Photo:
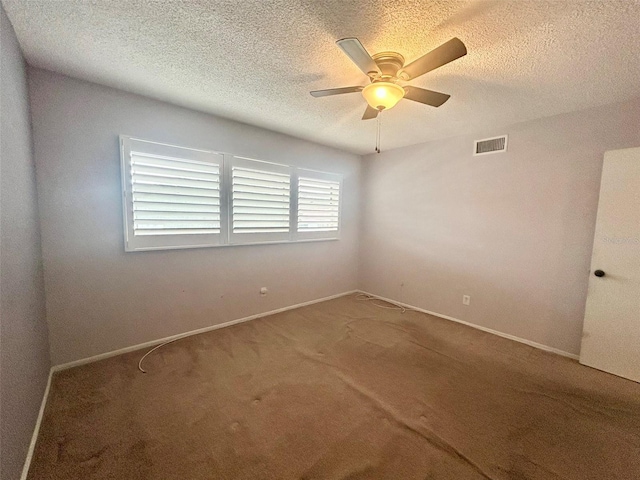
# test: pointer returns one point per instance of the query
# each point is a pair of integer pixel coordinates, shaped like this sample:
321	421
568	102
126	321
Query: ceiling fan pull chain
378	132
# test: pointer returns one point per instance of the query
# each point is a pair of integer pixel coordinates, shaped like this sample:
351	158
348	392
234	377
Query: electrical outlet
466	299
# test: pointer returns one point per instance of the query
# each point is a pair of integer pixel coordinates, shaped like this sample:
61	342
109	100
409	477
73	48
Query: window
177	197
172	196
318	205
260	201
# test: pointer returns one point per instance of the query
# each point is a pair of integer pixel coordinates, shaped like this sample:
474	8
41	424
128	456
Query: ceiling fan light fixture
383	95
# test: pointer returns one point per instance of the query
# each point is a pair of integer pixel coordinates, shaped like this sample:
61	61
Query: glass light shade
383	95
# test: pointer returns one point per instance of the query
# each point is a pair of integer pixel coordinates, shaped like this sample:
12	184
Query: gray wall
100	298
24	357
512	230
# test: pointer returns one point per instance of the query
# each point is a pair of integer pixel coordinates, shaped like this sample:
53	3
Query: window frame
322	176
267	167
226	237
135	243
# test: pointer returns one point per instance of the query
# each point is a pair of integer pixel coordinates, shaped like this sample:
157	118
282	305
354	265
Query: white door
611	332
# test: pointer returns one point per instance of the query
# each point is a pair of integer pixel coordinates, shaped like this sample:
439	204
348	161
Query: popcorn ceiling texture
255	61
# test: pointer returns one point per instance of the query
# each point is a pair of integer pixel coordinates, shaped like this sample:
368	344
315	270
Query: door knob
599	273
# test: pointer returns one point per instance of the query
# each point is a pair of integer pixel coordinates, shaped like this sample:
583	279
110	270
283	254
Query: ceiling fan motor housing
389	64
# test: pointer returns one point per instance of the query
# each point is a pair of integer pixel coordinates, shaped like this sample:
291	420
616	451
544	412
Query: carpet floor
340	390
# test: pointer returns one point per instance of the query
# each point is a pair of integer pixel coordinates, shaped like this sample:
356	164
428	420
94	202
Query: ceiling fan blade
358	55
370	113
428	97
445	53
335	91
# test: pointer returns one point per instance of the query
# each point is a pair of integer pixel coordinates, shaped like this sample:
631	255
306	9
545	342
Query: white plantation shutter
260	201
173	196
318	214
176	197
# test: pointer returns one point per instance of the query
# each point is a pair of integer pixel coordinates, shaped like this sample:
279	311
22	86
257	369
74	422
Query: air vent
490	145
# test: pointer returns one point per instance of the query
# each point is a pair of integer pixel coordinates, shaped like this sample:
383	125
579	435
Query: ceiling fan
386	69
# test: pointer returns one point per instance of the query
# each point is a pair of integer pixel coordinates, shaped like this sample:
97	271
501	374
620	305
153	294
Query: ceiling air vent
490	145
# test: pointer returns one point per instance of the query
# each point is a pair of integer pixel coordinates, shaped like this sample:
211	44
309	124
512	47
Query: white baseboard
153	343
36	430
478	327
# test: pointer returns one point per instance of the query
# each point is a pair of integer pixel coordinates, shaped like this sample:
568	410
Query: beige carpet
340	390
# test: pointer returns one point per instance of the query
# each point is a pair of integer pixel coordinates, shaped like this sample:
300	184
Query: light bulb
383	95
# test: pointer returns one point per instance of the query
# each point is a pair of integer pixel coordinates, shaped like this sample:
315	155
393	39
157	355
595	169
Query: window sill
225	245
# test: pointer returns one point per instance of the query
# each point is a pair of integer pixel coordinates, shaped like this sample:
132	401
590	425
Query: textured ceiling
256	60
